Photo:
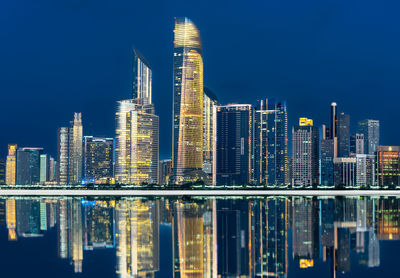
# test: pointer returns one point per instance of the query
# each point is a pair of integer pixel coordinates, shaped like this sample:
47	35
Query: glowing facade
11	165
388	166
62	155
142	78
76	150
209	101
187	150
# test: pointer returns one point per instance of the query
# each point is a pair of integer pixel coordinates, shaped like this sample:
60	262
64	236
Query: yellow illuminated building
11	219
11	164
187	151
76	151
305	122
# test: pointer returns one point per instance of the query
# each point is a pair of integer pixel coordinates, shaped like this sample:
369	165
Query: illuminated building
136	134
234	144
370	129
270	139
302	229
345	171
388	166
2	171
11	165
28	166
164	171
187	133
76	235
75	150
98	158
209	101
343	135
137	238
142	78
136	143
388	219
62	155
11	219
52	169
305	150
357	144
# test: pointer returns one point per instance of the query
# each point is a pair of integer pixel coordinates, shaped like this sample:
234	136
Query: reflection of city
211	237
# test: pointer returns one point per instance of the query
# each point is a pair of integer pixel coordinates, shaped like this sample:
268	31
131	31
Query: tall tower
11	164
370	129
209	101
75	150
62	155
142	78
333	120
187	150
343	135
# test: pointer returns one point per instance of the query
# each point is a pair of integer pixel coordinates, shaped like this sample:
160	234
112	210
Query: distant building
98	158
345	171
357	144
63	155
75	150
343	135
44	168
270	139
11	164
165	171
333	128
233	148
371	130
328	153
305	139
209	101
388	166
28	166
2	171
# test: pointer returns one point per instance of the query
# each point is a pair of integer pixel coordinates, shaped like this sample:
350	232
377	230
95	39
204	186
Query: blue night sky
58	57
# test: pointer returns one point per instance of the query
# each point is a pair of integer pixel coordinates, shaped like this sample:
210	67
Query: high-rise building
388	166
209	101
142	78
187	132
52	169
11	164
357	143
328	153
28	166
270	139
233	146
343	135
365	169
345	171
44	168
165	171
2	171
333	128
370	129
98	158
305	149
63	155
75	150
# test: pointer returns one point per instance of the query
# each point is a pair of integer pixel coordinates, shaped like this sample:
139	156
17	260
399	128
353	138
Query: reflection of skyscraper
63	228
137	238
76	235
387	219
11	219
187	150
75	150
302	230
28	218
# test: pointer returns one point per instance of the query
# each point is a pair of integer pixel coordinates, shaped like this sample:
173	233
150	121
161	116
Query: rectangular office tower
98	158
305	139
270	140
187	131
370	129
209	101
345	171
28	166
328	153
233	146
75	150
388	166
343	135
357	144
11	164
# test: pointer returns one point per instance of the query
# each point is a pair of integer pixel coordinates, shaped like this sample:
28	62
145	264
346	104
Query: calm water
199	237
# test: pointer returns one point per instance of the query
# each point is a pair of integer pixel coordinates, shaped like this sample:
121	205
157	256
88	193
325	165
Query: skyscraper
98	158
164	171
370	129
328	153
270	153
343	135
44	168
233	146
388	166
209	101
332	130
75	150
305	149
136	135
345	171
28	166
357	143
11	164
2	171
62	155
187	150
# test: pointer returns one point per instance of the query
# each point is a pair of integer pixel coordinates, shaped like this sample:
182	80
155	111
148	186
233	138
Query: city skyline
301	97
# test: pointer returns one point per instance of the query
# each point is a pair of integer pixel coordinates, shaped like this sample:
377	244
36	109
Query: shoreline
238	193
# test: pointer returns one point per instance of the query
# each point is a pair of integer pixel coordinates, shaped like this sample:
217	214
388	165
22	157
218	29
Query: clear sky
65	56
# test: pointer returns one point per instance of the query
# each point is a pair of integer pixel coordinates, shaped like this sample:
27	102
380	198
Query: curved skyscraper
187	150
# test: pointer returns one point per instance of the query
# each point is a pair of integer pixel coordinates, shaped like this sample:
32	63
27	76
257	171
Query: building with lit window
345	171
305	139
142	78
270	139
98	158
2	171
11	164
44	168
28	166
388	166
371	131
164	171
187	132
209	101
75	150
233	146
357	144
63	155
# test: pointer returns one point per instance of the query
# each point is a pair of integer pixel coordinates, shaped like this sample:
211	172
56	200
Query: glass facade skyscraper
28	166
343	135
370	129
187	150
142	78
270	139
75	150
98	158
